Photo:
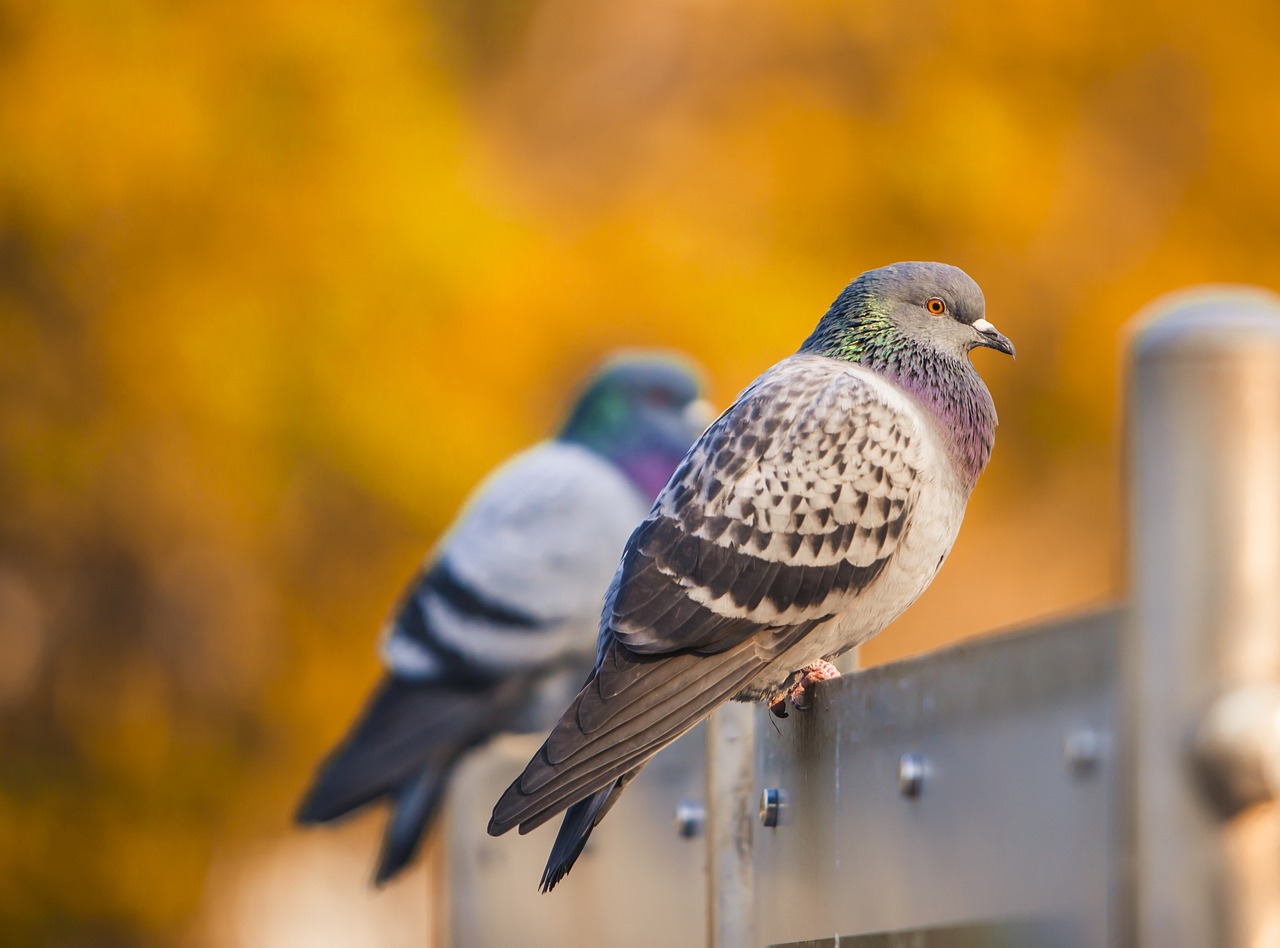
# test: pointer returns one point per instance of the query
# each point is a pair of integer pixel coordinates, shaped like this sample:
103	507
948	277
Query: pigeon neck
950	388
646	465
648	471
946	385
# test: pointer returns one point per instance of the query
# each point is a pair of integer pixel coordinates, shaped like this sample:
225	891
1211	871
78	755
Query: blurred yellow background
280	281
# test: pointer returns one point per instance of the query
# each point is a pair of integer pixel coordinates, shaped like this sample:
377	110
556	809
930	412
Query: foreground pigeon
499	629
809	516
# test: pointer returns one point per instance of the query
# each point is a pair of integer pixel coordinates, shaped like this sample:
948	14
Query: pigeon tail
414	808
579	820
405	746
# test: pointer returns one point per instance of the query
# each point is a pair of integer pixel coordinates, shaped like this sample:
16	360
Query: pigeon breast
824	485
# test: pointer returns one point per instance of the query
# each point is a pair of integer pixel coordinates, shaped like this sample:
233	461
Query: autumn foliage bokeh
279	281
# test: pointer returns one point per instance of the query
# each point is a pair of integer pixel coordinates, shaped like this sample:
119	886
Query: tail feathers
414	807
410	732
585	763
579	820
608	732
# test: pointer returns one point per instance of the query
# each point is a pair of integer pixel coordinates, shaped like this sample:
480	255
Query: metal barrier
1107	780
965	797
640	882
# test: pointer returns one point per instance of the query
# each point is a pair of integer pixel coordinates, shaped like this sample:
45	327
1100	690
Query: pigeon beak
698	415
990	337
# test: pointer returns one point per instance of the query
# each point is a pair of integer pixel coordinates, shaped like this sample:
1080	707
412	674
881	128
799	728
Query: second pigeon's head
933	304
641	411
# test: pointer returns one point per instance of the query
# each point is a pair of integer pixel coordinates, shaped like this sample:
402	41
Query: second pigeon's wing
517	582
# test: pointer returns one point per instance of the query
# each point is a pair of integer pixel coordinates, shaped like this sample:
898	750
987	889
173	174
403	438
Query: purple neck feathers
951	390
649	471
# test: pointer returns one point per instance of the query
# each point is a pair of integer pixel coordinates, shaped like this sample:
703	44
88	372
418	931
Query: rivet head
690	819
772	802
911	774
1082	749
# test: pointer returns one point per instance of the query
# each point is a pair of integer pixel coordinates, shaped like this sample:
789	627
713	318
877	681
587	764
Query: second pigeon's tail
404	747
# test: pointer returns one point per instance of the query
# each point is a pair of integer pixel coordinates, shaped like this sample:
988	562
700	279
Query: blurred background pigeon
807	518
499	628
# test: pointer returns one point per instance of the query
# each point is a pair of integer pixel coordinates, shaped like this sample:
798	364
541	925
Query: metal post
1202	654
731	814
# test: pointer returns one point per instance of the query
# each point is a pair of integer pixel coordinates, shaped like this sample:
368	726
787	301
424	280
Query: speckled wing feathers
787	508
797	494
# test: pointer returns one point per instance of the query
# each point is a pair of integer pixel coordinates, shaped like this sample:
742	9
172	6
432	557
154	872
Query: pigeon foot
798	693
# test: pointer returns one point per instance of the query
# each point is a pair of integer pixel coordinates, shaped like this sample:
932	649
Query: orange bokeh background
280	281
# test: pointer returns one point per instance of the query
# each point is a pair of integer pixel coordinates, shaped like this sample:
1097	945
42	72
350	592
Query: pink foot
798	693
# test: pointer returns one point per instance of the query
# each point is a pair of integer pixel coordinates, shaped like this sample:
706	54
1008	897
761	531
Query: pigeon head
915	324
641	411
906	306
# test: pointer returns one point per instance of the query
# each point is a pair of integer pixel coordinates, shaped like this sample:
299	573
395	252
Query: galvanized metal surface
1203	664
639	882
990	935
1010	828
732	822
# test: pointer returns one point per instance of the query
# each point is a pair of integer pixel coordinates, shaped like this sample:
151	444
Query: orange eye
936	306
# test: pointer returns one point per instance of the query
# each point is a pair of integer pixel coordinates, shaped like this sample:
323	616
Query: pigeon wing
516	584
788	507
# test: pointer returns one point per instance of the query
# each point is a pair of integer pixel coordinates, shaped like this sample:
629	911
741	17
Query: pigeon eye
936	306
659	398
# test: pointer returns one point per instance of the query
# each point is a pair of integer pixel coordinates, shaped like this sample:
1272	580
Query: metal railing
1107	780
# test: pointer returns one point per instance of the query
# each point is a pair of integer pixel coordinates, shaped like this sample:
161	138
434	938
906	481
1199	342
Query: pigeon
498	630
815	510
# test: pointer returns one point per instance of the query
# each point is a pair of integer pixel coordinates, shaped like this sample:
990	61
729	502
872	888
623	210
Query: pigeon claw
811	675
778	704
798	694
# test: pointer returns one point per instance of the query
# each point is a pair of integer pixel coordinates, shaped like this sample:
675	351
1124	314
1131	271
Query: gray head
906	305
641	411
